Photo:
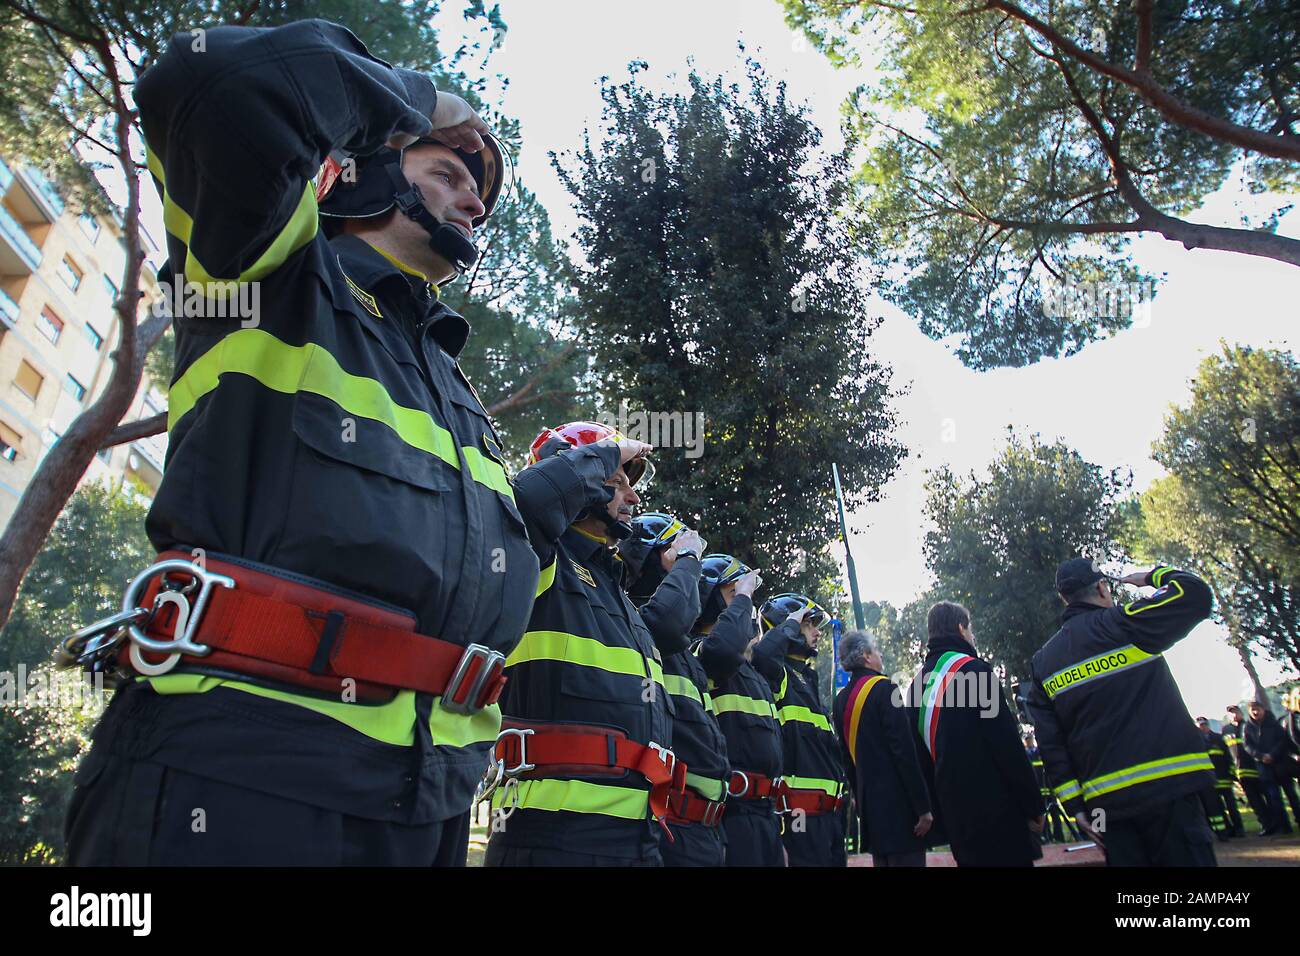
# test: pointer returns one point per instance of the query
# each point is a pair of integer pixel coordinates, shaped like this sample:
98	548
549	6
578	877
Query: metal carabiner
94	642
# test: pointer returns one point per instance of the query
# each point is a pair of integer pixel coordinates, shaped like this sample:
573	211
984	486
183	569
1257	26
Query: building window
74	388
69	273
90	226
51	325
28	380
50	437
9	442
94	338
110	287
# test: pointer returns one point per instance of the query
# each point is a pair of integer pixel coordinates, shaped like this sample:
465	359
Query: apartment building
59	270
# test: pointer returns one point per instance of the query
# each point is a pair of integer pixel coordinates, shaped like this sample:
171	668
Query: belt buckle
188	615
478	664
497	771
665	754
781	792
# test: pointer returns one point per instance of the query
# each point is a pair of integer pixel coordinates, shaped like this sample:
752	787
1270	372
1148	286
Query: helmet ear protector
363	187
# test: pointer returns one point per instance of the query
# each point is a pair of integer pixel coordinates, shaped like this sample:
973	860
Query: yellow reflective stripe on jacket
576	796
683	687
1129	608
793	712
390	723
585	652
706	787
785	683
296	233
311	368
545	579
1068	790
813	783
1159	574
1101	665
1145	773
739	703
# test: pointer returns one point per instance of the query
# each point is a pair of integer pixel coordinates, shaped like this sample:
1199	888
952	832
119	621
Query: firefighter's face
625	497
811	632
449	191
728	592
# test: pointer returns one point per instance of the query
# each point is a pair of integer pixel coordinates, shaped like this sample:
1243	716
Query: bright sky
1107	402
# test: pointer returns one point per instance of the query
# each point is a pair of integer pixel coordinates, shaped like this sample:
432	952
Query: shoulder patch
583	573
365	298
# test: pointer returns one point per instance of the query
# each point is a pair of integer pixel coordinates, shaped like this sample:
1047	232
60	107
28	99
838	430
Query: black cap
1076	574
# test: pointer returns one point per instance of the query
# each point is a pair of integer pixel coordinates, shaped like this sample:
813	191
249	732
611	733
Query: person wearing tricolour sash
988	799
880	759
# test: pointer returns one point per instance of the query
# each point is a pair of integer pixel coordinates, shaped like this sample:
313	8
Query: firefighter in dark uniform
1225	801
1265	741
1247	771
880	759
584	762
663	559
1121	751
725	635
989	807
812	792
321	664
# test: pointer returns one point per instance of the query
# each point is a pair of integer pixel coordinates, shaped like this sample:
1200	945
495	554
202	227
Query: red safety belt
284	630
690	807
534	750
812	802
745	785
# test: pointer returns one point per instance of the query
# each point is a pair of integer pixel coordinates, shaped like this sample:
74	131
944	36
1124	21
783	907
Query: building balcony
8	309
47	197
18	253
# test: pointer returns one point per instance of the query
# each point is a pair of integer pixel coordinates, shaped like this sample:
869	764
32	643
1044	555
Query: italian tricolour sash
853	711
932	695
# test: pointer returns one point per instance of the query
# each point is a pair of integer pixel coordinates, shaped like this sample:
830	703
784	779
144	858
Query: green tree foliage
997	540
95	548
900	633
41	741
720	279
1013	150
1231	503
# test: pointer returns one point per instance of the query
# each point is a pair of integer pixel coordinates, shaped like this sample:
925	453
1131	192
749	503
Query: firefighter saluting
742	701
812	785
318	671
663	560
583	766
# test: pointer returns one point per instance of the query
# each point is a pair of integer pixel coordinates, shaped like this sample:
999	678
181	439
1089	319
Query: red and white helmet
589	433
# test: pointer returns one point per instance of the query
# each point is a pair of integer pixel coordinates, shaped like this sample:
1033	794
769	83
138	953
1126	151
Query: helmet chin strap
444	238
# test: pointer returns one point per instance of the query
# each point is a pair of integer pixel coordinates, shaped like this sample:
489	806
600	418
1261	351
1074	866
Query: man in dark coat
1268	744
988	799
880	760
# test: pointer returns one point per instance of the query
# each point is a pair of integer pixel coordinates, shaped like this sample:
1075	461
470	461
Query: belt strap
534	750
811	802
690	807
747	785
285	630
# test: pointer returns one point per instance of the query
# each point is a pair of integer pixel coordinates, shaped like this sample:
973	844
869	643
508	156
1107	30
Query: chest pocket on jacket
602	671
367	443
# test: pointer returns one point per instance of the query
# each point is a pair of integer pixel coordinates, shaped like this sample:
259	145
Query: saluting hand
748	583
630	448
455	124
